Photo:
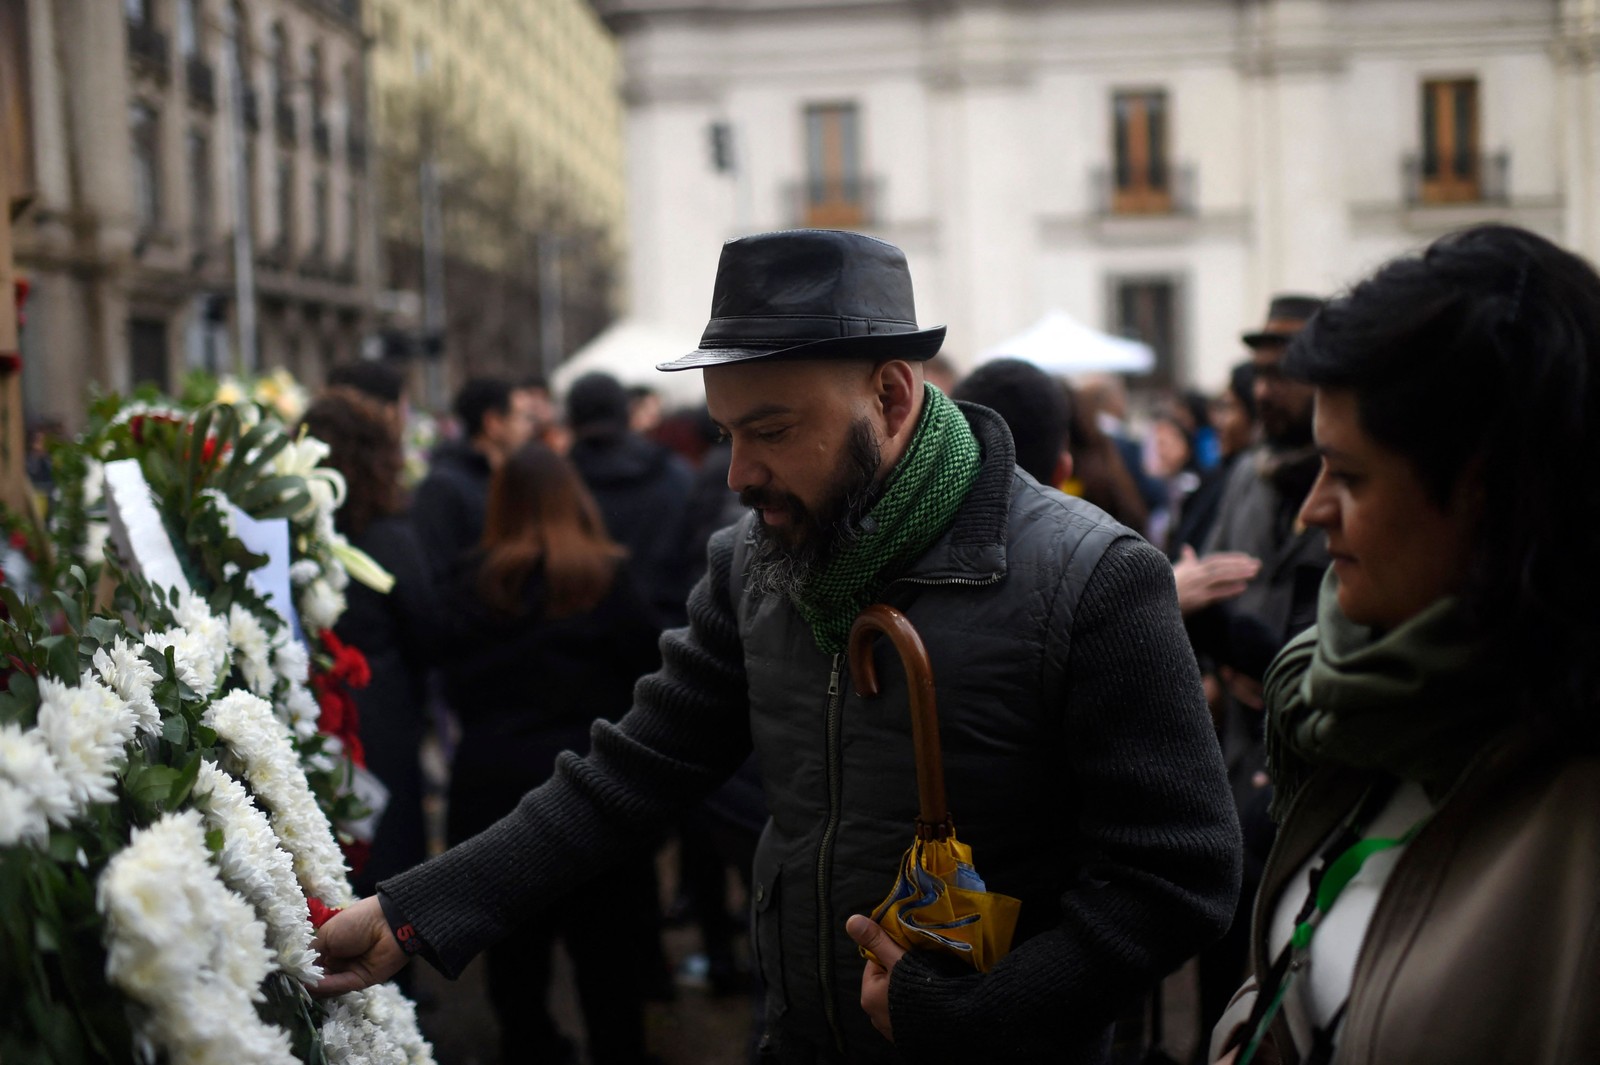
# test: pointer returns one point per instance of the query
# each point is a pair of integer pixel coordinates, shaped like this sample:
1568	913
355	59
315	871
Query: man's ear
1063	472
898	385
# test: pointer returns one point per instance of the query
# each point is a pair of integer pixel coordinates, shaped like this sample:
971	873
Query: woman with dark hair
390	630
1099	473
1434	741
549	633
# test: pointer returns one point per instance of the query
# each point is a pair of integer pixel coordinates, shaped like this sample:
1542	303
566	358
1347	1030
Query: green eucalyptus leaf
26	691
61	659
175	730
104	631
214	841
185	782
287	508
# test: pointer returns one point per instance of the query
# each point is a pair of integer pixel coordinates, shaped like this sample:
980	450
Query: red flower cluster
321	912
332	688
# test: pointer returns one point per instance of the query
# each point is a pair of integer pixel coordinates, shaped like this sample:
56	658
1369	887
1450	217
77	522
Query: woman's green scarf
918	504
1417	702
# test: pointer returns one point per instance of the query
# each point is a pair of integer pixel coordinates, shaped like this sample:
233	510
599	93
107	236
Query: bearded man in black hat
1078	752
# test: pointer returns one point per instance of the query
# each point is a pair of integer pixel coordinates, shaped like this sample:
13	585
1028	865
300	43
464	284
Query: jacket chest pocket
766	936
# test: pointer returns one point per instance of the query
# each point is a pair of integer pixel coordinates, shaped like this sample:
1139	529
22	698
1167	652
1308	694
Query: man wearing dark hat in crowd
1259	517
1259	513
1078	753
642	489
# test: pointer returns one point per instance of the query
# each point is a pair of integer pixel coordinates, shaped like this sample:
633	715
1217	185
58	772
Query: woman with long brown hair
552	631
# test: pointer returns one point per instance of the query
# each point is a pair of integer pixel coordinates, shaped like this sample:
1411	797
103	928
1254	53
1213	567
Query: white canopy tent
629	350
1060	344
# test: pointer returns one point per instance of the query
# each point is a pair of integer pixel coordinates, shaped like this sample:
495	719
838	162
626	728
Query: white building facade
1154	167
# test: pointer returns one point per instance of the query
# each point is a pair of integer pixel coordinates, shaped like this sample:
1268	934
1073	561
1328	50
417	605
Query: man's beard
787	557
1285	430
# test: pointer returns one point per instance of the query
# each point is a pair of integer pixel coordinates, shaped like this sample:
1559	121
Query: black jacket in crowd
643	492
450	503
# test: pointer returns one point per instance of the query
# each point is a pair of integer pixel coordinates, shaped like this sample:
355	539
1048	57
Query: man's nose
744	473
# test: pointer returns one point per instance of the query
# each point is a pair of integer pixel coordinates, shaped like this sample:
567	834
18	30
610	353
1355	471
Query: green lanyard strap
1336	876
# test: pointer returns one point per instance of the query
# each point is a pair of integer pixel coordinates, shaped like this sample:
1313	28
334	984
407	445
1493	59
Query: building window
285	204
199	151
147	352
144	128
352	225
834	194
1451	164
1146	308
319	208
1142	178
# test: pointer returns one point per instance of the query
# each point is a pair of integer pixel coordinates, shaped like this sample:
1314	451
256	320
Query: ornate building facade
202	192
1154	167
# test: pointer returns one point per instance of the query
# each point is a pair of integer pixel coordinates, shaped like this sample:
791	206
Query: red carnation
321	913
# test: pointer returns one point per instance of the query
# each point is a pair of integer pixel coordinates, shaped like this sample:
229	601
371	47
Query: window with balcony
144	128
1452	170
1146	308
835	193
1142	174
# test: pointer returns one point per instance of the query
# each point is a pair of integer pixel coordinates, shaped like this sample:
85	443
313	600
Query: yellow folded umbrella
938	901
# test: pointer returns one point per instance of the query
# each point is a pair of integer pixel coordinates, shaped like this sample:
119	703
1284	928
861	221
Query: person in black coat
390	630
642	489
548	631
496	418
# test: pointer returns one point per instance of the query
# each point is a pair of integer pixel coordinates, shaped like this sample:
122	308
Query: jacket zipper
934	581
825	857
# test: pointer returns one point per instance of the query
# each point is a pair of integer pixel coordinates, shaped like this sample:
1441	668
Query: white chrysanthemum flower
257	868
252	650
33	792
261	743
304	572
321	605
188	949
399	1019
126	672
86	729
290	659
301	713
191	654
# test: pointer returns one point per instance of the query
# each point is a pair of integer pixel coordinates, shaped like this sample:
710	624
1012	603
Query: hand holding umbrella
938	901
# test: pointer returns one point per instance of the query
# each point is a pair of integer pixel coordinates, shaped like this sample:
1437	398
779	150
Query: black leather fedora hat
811	294
1286	316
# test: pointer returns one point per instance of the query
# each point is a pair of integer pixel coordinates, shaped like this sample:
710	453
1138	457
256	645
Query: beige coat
1485	944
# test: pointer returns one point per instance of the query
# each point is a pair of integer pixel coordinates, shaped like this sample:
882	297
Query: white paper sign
271	581
136	527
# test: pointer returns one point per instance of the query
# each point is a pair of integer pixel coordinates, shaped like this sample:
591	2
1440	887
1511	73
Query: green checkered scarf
918	504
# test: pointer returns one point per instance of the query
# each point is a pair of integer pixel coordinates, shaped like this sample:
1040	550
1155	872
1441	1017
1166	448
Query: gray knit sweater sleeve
689	729
1155	819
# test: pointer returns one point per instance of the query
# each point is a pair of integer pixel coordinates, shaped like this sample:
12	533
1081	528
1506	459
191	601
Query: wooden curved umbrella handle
933	822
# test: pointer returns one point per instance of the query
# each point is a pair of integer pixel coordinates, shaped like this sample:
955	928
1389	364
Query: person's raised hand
875	979
1213	579
356	949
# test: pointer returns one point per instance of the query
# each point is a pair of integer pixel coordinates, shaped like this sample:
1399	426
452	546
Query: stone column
1292	65
1577	52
